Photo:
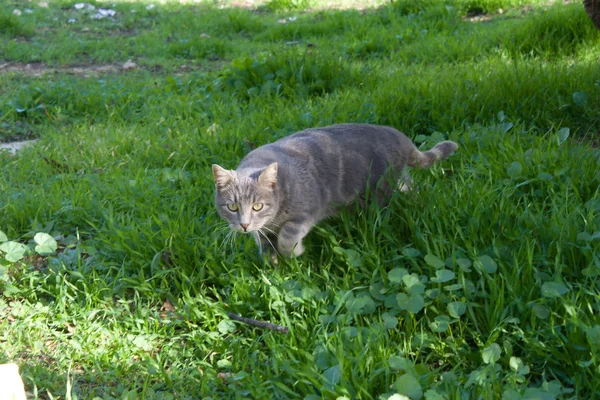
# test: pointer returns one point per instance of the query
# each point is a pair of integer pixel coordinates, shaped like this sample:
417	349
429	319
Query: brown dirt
39	69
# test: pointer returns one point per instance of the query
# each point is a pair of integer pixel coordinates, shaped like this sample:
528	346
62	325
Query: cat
281	190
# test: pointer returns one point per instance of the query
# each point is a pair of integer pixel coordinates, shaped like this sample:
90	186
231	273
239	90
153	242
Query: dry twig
258	324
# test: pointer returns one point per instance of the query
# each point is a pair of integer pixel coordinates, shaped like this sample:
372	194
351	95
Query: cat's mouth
242	229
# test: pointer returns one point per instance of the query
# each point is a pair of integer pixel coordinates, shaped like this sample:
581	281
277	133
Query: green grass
481	284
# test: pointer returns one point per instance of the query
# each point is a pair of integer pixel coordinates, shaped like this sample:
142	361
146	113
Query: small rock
286	20
129	65
71	21
28	11
103	13
204	35
150	6
17	12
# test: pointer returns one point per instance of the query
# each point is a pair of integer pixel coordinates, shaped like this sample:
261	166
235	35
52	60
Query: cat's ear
223	178
268	177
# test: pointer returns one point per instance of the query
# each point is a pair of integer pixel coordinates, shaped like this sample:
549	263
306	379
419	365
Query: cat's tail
440	151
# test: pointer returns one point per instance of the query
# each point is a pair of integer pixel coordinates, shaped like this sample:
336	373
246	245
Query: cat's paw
298	250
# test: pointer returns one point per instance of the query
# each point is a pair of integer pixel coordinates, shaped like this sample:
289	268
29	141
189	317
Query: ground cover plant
115	275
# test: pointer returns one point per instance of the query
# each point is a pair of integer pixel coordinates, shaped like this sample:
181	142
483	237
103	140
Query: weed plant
116	277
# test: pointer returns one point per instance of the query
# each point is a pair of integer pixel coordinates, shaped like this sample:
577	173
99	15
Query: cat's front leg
266	247
290	237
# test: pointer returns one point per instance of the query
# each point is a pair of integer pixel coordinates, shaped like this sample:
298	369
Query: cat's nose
244	226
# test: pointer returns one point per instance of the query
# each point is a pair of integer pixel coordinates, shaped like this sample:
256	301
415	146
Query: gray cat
281	190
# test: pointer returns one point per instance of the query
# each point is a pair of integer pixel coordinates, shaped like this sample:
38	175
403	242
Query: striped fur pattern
281	190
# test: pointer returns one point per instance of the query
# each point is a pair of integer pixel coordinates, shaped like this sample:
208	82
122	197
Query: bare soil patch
39	69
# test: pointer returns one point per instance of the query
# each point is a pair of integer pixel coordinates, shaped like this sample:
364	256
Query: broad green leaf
325	319
409	252
143	342
488	264
45	244
506	126
434	261
412	304
584	237
537	394
13	251
453	287
491	354
517	365
400	364
413	284
443	275
440	324
541	311
456	309
515	169
322	358
307	397
360	305
226	326
464	264
409	386
391	301
378	291
554	289
433	395
593	335
562	135
418	288
552	387
3	237
580	98
354	305
397	274
389	321
353	257
511	394
333	375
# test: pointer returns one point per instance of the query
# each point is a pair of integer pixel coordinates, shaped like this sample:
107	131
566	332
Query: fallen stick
258	324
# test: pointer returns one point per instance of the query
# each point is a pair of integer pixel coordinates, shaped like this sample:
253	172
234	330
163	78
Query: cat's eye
232	207
257	206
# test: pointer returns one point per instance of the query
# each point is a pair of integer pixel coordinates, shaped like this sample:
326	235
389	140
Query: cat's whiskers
229	239
268	240
271	231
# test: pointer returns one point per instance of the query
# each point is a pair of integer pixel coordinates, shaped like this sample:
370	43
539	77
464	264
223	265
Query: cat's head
246	202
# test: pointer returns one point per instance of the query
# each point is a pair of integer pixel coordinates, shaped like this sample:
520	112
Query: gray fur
302	179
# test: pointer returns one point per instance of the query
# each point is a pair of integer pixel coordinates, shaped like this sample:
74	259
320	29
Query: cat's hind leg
266	246
405	183
290	237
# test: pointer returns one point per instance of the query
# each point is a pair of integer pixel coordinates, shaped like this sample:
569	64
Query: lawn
116	278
